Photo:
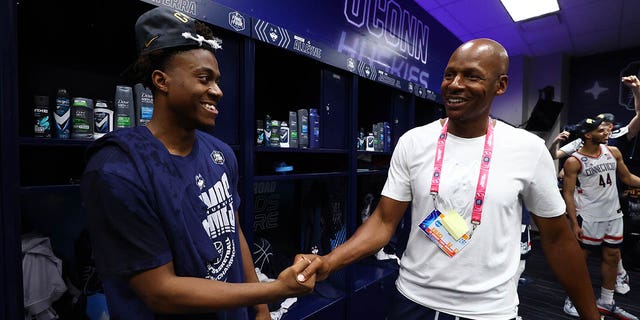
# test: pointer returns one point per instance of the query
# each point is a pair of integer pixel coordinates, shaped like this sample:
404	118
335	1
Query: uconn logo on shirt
220	225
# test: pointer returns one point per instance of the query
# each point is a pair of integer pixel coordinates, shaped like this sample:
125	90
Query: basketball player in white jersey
629	131
591	196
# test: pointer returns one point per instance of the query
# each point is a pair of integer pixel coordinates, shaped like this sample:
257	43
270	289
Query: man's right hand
631	81
289	278
319	267
562	136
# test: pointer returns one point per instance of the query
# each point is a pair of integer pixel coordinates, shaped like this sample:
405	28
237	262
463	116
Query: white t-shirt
597	197
576	144
477	282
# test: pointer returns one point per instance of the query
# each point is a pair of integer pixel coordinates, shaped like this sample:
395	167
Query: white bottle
369	142
284	135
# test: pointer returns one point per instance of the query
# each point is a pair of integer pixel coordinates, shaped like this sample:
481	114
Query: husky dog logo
367	70
200	181
217	157
236	21
273	35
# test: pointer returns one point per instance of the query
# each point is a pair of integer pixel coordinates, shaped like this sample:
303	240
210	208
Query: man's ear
159	80
503	83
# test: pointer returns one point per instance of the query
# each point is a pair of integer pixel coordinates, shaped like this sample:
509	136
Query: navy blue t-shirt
148	208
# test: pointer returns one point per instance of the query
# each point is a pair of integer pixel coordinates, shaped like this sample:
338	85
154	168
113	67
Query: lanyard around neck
481	187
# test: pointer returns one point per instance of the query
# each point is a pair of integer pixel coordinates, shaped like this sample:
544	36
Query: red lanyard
481	188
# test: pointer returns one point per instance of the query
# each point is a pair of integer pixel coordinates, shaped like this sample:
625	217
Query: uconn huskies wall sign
210	12
395	38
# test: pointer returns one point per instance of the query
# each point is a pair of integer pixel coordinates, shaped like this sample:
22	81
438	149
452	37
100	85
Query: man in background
591	194
627	133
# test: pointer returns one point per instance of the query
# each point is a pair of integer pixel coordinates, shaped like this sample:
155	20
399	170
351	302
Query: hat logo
236	21
181	16
148	43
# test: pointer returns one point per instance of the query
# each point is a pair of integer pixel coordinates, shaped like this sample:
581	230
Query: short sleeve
541	195
398	184
126	234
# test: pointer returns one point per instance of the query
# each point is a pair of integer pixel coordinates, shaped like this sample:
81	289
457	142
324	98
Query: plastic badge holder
456	226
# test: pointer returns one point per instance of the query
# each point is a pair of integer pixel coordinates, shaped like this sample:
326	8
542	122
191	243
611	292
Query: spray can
42	122
259	132
125	117
103	119
360	144
314	131
62	114
267	130
387	136
303	128
378	142
82	118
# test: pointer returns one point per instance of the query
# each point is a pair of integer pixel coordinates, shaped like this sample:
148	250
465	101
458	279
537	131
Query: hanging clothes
41	278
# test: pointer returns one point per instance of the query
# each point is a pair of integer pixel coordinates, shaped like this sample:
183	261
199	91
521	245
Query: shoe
614	311
622	283
569	308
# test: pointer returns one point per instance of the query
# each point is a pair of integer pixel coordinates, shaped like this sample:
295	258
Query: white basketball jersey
596	193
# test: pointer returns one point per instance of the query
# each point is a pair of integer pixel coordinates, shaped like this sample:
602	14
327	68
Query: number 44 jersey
596	193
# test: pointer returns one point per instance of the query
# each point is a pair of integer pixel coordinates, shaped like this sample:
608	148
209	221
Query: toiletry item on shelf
293	129
144	104
62	115
42	121
284	135
82	118
303	128
124	107
314	129
102	119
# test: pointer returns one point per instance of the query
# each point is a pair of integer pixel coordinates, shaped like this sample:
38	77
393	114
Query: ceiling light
526	9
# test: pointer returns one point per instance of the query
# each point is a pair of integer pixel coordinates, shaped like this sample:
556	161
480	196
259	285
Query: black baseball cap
162	27
606	117
589	124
